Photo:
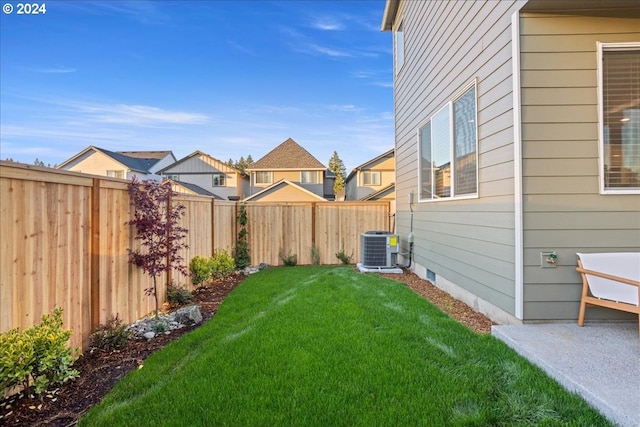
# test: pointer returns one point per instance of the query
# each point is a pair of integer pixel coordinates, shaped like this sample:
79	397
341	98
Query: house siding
199	170
562	208
97	163
467	242
293	176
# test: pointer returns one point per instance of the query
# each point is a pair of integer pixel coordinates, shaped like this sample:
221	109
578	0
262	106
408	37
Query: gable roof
282	183
377	195
389	153
288	155
146	154
196	189
199	153
137	163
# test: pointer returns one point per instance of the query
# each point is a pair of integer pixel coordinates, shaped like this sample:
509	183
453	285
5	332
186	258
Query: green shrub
38	356
111	335
289	260
178	295
160	325
200	270
241	253
221	265
343	257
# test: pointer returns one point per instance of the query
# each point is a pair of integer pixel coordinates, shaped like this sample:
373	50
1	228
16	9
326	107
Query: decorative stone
189	315
149	335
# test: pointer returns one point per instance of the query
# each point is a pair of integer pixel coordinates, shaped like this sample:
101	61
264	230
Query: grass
326	346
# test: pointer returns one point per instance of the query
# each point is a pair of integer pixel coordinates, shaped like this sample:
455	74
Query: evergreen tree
337	167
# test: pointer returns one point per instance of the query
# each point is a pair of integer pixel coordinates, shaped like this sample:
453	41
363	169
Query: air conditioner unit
378	249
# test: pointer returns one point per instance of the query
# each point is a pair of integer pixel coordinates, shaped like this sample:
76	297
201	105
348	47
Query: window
219	180
116	174
620	117
370	178
262	178
448	146
310	177
399	44
171	177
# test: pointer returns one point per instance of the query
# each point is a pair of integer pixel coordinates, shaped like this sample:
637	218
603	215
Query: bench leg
585	293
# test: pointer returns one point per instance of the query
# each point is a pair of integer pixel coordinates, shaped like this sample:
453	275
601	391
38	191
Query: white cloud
56	70
130	114
328	51
327	24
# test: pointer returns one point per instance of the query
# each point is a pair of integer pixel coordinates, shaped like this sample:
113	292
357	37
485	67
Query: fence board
64	239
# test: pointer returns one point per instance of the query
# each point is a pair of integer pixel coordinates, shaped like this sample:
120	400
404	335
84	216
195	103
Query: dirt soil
99	371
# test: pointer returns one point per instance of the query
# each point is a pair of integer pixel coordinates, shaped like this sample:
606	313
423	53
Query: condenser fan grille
378	249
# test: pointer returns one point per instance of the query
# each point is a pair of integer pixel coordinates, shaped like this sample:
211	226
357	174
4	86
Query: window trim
113	173
399	29
316	177
172	176
449	105
267	182
371	172
601	47
224	180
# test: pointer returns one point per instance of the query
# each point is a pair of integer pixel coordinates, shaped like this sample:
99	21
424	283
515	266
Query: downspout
517	167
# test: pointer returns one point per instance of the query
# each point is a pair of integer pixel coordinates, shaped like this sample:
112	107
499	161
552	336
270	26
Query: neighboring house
285	191
200	170
371	177
291	164
119	164
517	136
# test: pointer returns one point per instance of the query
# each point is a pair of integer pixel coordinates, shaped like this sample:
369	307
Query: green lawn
326	346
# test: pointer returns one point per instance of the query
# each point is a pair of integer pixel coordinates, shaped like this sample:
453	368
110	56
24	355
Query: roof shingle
288	155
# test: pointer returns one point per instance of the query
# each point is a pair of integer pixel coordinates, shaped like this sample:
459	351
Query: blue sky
230	78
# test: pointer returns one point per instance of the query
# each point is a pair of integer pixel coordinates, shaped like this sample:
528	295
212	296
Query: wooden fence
64	241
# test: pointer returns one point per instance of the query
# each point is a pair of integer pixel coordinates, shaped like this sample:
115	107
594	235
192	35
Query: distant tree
38	162
157	224
10	159
337	167
241	164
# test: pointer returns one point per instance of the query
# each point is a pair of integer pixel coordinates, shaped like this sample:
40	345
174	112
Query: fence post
169	275
314	206
213	226
94	290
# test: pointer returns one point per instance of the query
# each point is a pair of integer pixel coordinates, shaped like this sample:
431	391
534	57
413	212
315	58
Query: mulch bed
99	371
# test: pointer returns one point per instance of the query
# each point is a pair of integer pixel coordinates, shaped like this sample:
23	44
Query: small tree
161	237
337	167
241	253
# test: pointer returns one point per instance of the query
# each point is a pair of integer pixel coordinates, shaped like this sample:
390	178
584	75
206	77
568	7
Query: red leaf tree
157	223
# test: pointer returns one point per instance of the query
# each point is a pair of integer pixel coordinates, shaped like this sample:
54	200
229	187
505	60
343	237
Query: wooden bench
610	280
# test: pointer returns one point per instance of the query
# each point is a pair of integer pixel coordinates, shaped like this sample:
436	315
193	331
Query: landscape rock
188	315
149	335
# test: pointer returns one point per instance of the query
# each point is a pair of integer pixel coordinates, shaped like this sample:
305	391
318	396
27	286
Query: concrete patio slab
600	362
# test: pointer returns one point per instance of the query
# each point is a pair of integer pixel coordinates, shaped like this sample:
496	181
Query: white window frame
313	177
173	177
399	45
448	106
267	174
601	152
371	182
218	175
116	173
